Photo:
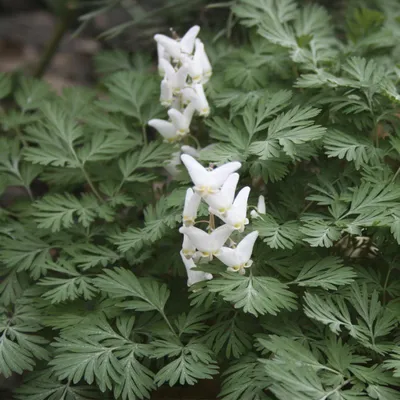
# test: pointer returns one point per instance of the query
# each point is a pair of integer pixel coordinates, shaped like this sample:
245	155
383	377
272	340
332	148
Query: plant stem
30	194
21	137
169	324
90	183
194	138
395	175
212	222
335	390
386	284
145	142
55	40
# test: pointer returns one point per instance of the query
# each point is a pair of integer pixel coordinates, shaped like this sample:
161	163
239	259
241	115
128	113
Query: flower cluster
217	188
184	66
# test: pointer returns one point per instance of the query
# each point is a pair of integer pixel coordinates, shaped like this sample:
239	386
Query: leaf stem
194	138
335	390
145	141
395	175
386	284
21	137
90	183
169	324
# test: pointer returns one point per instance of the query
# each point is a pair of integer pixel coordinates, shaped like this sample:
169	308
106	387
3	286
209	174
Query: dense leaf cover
93	295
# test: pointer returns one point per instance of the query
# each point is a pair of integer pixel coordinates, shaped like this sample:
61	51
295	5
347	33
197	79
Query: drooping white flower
175	79
236	215
192	202
190	150
172	164
188	248
166	129
200	57
195	69
221	201
239	258
197	97
194	276
171	46
181	120
166	95
208	182
176	48
209	244
187	41
260	209
162	55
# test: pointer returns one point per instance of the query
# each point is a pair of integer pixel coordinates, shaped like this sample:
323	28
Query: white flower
208	182
172	164
175	79
260	209
236	215
190	150
197	97
192	202
165	129
194	276
176	48
221	201
239	258
181	120
209	244
200	58
188	248
188	40
170	46
162	55
195	70
166	95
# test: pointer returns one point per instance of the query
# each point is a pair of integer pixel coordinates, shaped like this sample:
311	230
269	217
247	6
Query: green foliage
94	301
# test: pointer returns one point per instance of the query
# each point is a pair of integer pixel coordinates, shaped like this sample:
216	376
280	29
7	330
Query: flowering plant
236	232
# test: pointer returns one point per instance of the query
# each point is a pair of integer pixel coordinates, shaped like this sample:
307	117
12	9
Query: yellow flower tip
187	253
182	132
237	226
188	221
205	254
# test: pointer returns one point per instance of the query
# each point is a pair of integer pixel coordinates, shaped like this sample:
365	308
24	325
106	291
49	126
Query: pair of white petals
194	276
178	126
195	95
209	244
228	208
206	181
176	48
198	65
260	209
236	260
239	258
217	187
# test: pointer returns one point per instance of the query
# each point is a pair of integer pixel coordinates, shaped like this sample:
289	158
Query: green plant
94	293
